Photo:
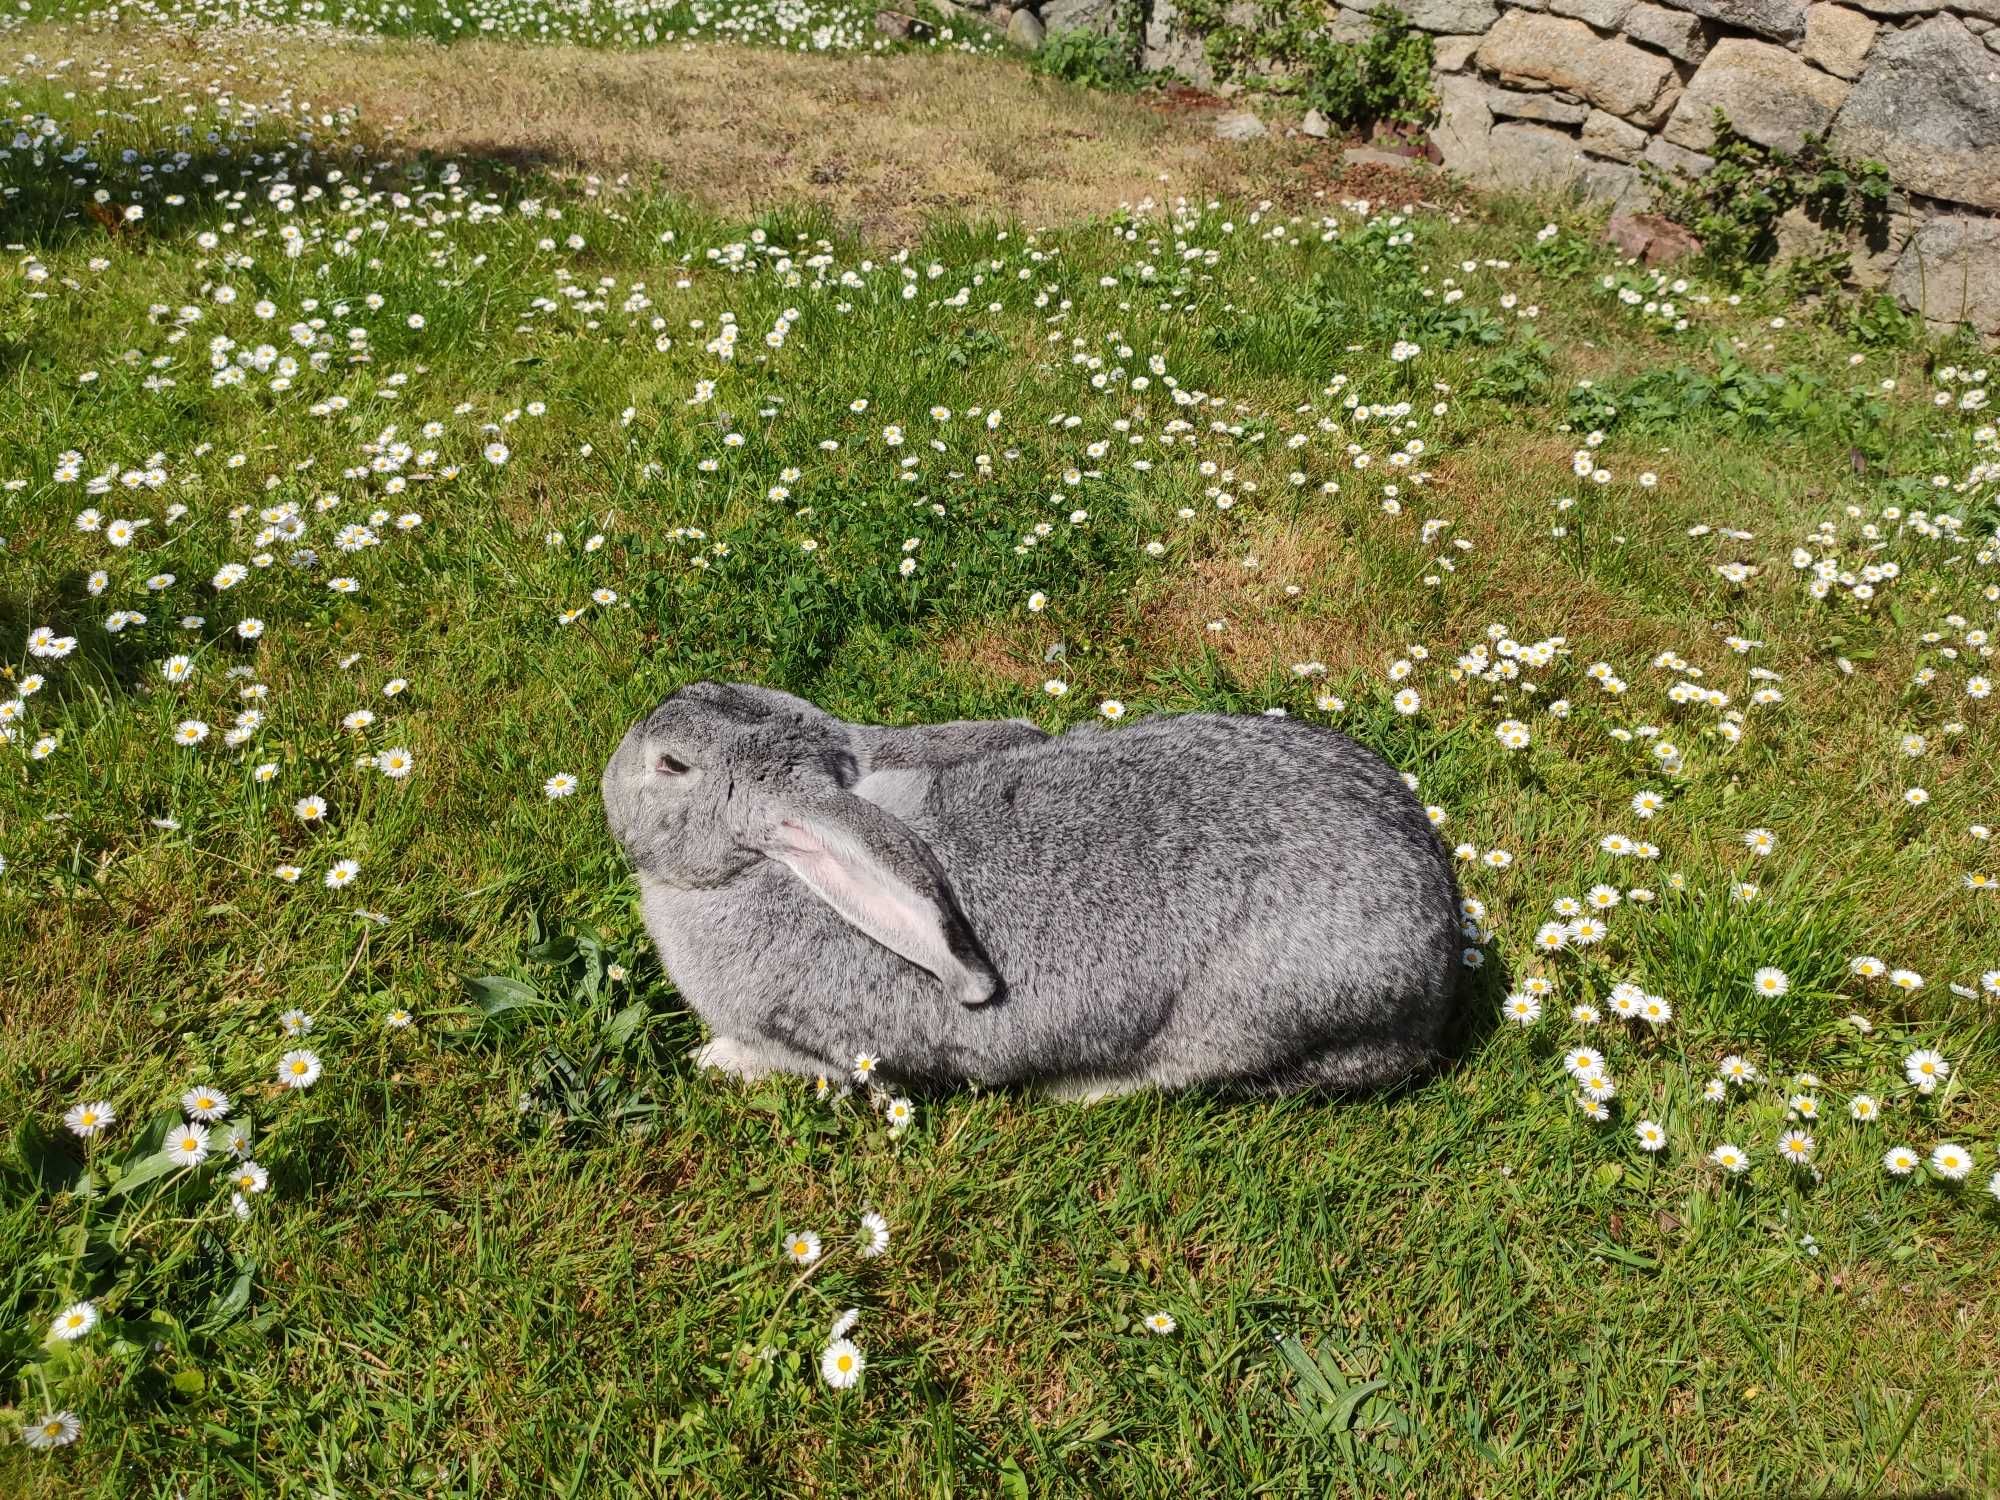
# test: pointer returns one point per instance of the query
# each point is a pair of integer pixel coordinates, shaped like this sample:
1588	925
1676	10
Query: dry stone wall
1538	94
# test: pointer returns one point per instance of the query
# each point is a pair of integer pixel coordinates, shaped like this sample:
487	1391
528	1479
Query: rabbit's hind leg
1087	1088
1358	1064
752	1058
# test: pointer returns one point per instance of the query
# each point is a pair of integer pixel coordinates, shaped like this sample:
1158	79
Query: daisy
1581	1060
1796	1147
1899	1161
55	1429
188	1146
205	1103
865	1064
1926	1069
1906	979
1951	1161
1868	967
1523	1010
1730	1158
877	1229
1863	1108
1160	1322
1651	1136
299	1070
87	1120
844	1324
190	732
841	1364
1715	1091
560	785
1407	702
74	1321
249	1177
901	1115
1769	981
342	874
802	1246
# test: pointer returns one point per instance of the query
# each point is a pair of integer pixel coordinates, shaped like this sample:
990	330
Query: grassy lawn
371	463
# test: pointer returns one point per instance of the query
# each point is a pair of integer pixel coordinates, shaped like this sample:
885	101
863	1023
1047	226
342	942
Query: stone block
1557	53
1607	135
1602	14
1675	32
1451	17
1770	96
1985	10
1928	107
1452	53
1463	126
1100	16
1783	20
1166	46
1950	272
1670	158
1532	157
1838	39
1546	108
1871	258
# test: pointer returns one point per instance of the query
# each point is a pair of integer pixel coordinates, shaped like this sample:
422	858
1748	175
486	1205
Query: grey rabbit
1234	900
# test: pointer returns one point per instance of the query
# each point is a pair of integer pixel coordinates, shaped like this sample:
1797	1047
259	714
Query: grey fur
1204	899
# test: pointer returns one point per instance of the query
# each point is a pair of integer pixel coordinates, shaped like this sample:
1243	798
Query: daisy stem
131	1232
797	1281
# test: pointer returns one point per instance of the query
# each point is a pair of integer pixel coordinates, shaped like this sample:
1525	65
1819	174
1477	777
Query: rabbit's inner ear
879	877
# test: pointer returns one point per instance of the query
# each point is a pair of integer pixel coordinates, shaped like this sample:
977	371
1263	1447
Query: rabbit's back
1214	896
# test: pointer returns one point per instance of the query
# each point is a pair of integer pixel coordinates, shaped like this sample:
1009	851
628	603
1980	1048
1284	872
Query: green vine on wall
1735	207
1102	59
1386	76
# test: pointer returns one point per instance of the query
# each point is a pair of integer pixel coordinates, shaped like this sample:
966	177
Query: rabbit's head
722	776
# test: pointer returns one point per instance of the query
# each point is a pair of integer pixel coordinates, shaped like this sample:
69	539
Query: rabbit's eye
666	765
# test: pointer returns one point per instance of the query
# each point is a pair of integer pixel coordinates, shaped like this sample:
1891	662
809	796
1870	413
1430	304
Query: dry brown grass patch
884	143
1263	627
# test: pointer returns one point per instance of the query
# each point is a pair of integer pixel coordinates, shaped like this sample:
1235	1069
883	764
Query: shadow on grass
51	212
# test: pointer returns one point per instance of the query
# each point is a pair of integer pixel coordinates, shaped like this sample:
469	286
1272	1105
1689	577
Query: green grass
795	25
520	1247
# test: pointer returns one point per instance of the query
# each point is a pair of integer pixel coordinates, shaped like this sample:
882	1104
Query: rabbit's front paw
727	1055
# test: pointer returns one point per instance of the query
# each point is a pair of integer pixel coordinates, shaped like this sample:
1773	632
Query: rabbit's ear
862	861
